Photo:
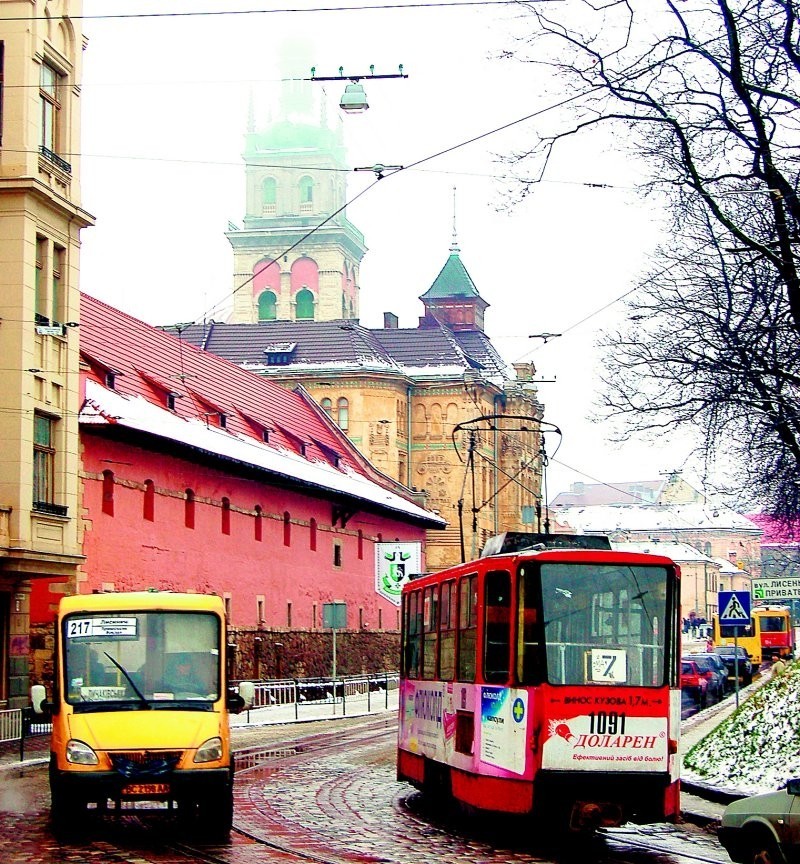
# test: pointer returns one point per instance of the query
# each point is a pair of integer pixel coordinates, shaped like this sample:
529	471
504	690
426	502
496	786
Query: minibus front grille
145	763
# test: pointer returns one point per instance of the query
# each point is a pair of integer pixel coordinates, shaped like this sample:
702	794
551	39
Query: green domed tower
295	173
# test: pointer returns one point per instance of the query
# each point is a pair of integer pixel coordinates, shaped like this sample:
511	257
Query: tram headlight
79	753
209	751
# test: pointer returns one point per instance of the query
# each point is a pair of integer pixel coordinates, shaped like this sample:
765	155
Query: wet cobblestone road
325	798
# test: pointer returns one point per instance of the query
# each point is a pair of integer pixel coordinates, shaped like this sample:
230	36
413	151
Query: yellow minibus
140	707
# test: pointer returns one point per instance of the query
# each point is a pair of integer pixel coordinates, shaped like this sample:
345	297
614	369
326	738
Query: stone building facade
41	51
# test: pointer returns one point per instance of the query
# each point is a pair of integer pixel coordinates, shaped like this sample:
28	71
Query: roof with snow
681	553
343	345
143	379
654	517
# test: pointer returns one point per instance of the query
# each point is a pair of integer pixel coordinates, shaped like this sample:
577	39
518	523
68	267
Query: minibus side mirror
247	692
793	786
39	701
234	702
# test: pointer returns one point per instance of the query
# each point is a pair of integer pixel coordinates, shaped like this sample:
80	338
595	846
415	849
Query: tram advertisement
582	733
428	725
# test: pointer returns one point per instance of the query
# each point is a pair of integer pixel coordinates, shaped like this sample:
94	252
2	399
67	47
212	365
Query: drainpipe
408	436
496	444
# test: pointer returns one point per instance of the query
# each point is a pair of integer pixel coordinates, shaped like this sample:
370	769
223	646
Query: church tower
295	174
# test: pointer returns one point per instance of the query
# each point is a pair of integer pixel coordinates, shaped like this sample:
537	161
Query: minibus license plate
146	789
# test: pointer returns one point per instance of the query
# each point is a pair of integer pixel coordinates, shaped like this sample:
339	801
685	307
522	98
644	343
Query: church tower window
267	306
269	195
305	305
306	194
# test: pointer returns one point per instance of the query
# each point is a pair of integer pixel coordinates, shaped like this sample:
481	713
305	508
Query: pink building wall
125	551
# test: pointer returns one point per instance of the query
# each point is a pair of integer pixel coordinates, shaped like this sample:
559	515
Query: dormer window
111	380
280	353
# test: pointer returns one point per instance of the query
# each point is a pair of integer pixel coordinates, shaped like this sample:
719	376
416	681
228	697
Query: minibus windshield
130	660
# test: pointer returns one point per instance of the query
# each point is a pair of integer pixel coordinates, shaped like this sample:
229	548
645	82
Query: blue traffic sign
734	608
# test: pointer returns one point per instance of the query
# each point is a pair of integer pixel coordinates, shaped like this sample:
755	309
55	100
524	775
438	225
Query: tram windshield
602	623
773	624
130	660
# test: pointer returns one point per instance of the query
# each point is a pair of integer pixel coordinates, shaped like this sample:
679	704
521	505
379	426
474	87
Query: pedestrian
778	666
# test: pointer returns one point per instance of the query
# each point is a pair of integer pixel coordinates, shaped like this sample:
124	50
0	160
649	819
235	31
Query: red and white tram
545	681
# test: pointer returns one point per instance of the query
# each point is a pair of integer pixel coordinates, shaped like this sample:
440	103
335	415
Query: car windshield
129	660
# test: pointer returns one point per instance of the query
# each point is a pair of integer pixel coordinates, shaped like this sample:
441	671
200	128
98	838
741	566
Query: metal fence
18	726
315	691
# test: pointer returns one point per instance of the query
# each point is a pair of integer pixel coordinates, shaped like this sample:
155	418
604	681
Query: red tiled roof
143	356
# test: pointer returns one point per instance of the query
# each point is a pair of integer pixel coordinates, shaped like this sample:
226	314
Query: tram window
497	626
447	632
431	633
467	627
412	629
528	639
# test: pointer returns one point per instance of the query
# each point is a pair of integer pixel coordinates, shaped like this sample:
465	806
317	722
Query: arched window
312	535
226	516
258	529
287	529
188	509
343	414
436	421
305	305
269	190
108	493
306	191
267	306
149	510
327	407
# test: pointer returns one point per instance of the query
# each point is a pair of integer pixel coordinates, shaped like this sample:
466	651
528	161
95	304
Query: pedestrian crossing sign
734	608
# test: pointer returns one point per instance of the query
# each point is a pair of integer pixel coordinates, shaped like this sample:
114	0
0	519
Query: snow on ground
757	748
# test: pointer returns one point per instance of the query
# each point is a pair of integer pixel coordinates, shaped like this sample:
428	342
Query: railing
55	159
298	692
17	725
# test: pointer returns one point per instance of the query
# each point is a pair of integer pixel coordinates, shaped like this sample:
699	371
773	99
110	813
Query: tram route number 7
607	666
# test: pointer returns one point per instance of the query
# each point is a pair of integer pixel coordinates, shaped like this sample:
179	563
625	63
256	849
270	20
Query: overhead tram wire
293	9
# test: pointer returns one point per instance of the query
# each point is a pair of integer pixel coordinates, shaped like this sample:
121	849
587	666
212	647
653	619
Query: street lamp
354	98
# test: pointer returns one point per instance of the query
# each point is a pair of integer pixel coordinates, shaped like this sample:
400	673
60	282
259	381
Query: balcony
55	159
50	509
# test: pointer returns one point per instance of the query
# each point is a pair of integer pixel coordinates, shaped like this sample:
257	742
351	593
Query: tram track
280	755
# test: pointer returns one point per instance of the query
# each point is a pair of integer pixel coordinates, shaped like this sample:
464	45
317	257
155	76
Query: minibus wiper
136	690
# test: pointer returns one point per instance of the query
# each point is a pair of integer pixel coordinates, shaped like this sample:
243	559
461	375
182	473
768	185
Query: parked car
722	669
694	682
763	829
716	675
728	654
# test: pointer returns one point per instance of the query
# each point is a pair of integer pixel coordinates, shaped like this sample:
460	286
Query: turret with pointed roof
453	299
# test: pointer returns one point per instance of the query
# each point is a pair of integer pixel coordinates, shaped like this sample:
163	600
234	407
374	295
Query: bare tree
707	91
711	346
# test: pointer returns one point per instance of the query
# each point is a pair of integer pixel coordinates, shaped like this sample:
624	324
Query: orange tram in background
543	679
769	633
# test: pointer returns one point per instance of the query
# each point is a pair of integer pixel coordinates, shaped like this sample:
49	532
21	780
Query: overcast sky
165	106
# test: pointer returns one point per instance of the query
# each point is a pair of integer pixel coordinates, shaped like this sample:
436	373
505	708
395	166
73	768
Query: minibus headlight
209	751
79	753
